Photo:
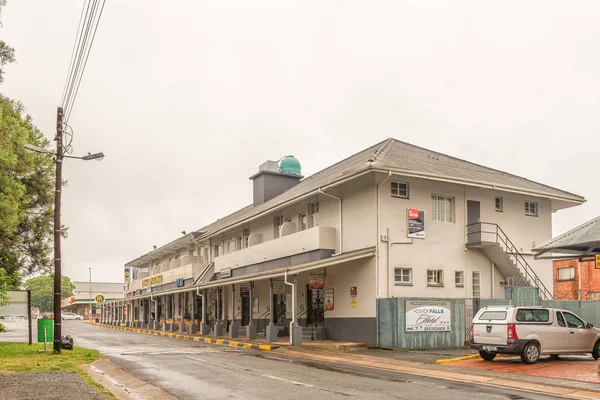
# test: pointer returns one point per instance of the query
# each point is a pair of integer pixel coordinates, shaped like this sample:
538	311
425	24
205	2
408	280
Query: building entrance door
473	217
279	311
316	307
245	307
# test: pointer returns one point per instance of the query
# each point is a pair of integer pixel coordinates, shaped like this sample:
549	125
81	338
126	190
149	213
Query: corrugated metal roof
583	236
402	157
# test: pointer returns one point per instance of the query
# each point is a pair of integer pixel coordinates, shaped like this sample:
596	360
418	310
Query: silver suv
531	332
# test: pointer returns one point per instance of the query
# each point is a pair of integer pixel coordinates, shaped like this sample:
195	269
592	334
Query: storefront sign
316	282
225	273
329	300
179	282
353	303
416	223
126	274
353	291
99	298
278	288
597	261
427	316
152	281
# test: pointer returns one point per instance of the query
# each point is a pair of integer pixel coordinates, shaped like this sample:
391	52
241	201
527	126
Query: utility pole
57	230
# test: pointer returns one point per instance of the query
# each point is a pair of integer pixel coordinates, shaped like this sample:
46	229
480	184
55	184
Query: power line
81	46
73	53
85	62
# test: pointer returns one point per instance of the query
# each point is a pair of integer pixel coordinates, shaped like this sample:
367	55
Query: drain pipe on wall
155	310
377	295
294	340
339	199
378	246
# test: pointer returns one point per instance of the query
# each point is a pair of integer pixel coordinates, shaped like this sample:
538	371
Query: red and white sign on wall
416	223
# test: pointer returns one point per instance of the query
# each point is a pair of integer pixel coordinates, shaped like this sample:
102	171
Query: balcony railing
318	238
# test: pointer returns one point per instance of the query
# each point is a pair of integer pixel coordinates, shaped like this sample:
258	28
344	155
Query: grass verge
21	357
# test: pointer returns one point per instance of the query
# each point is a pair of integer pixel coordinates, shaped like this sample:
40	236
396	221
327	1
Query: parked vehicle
531	332
48	315
70	315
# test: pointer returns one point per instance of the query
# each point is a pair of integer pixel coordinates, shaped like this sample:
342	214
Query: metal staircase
491	239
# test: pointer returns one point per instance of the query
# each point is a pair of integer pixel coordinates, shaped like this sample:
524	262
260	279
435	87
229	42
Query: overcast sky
187	98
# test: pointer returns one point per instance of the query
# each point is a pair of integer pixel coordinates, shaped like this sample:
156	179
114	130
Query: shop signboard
316	282
329	299
428	316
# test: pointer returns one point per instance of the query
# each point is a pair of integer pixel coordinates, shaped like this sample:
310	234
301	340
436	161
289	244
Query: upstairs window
435	277
400	189
476	284
565	274
499	204
246	235
403	276
277	225
302	221
442	208
531	208
313	214
459	278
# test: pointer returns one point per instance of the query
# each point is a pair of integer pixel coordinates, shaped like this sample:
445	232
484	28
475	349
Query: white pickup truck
531	332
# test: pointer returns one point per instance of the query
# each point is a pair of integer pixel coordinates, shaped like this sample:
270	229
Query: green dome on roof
290	165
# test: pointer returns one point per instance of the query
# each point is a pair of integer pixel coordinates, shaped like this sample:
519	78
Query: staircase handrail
512	250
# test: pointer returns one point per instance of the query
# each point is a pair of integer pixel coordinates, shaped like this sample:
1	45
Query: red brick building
566	279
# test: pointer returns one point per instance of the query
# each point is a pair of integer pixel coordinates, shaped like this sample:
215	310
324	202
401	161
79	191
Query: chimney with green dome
274	178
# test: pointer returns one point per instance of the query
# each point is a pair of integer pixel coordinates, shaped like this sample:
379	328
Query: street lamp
59	155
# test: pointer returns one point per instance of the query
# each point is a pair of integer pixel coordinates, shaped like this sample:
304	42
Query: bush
2	328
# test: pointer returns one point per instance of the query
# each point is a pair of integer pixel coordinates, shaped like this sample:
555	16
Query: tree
26	191
42	291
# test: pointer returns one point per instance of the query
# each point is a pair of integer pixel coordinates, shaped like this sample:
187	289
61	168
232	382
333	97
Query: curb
223	342
450	360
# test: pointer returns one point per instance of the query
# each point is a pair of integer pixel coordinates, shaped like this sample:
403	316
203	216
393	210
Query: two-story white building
313	255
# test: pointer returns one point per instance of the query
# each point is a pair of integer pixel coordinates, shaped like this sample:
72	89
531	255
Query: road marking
288	381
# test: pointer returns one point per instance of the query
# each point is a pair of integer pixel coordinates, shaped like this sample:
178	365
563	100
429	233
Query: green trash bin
48	324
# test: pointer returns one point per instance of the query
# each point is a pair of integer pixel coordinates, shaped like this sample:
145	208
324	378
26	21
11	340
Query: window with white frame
240	242
231	245
531	208
313	214
476	284
565	274
498	204
400	189
459	278
277	225
302	221
442	208
246	235
403	276
435	277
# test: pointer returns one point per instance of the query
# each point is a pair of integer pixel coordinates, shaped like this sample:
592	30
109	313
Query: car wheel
487	355
531	353
596	352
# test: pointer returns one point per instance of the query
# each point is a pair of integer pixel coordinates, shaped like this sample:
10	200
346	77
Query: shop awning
276	273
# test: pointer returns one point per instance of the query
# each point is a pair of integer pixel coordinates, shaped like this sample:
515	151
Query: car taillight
472	332
511	332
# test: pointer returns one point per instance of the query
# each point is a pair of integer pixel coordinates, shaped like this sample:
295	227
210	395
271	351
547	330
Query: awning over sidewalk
583	240
276	273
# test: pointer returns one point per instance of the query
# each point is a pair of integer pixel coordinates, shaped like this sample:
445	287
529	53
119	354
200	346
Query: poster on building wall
127	274
416	223
316	282
329	300
428	316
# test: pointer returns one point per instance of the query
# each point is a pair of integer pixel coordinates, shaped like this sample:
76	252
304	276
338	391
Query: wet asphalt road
194	370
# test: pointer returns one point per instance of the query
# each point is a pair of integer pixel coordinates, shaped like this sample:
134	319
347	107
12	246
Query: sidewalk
471	371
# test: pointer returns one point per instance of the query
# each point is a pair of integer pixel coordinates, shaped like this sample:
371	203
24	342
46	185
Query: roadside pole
29	315
57	230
